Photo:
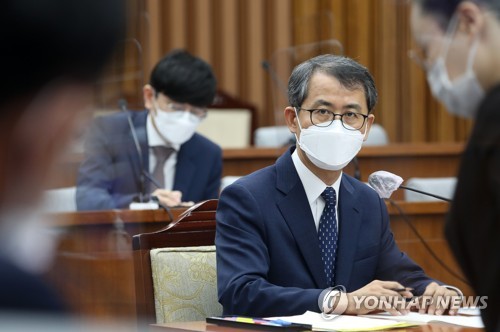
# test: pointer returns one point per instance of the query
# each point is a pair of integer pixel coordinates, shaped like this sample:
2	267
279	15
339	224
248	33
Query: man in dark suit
41	102
190	166
280	245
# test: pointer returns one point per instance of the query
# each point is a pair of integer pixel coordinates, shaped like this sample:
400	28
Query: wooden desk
94	263
406	160
202	327
93	267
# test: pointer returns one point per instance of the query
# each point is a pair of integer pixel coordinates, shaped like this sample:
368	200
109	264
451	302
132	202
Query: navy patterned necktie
327	234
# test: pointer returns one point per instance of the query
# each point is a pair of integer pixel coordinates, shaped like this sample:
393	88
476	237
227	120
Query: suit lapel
349	224
296	211
184	170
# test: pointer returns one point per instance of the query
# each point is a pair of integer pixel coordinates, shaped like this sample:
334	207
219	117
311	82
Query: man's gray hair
348	72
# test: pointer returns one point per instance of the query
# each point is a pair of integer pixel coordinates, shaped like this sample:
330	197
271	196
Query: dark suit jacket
22	292
268	257
473	225
109	177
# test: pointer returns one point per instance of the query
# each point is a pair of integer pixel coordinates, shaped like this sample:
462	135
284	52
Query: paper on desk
343	322
469	311
415	317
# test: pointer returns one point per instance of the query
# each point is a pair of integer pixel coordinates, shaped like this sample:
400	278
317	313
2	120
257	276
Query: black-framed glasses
321	117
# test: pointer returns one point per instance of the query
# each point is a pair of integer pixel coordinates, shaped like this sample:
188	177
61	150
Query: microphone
144	199
385	183
279	83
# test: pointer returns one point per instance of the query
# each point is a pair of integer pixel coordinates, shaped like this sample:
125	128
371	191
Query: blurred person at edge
52	52
459	47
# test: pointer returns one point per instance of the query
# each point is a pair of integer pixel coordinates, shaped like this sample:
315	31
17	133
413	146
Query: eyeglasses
200	112
323	118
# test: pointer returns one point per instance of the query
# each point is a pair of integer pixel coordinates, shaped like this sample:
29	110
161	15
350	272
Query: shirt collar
154	139
313	185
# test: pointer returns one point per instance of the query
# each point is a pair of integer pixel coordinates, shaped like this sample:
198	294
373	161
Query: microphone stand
156	199
425	193
357	171
267	67
142	186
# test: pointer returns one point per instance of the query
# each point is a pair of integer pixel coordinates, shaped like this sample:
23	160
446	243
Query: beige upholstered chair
377	136
230	122
184	283
273	137
175	274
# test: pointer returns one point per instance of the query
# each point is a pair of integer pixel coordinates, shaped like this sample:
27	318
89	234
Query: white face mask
176	127
330	148
462	96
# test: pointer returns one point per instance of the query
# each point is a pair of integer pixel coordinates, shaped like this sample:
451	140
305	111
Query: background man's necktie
161	153
327	234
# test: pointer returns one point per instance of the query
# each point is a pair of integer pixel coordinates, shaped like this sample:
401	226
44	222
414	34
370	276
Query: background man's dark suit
268	256
109	176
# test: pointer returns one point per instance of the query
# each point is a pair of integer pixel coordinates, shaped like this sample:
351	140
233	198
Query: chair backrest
377	136
174	267
230	122
273	137
444	187
227	180
59	200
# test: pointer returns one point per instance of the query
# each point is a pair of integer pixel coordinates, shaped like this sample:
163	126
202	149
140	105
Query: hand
437	299
379	295
186	204
168	198
440	328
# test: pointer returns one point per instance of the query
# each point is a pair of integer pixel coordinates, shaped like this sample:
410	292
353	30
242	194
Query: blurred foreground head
52	52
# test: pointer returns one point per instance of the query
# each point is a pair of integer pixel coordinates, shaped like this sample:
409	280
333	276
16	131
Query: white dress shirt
314	187
155	140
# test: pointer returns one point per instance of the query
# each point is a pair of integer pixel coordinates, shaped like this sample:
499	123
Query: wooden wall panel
386	68
253	83
377	34
203	29
235	36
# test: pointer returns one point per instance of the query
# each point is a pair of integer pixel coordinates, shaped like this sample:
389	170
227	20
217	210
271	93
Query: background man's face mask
462	95
176	127
330	148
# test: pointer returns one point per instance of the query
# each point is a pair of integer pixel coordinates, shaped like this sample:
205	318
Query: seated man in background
42	100
177	165
290	232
